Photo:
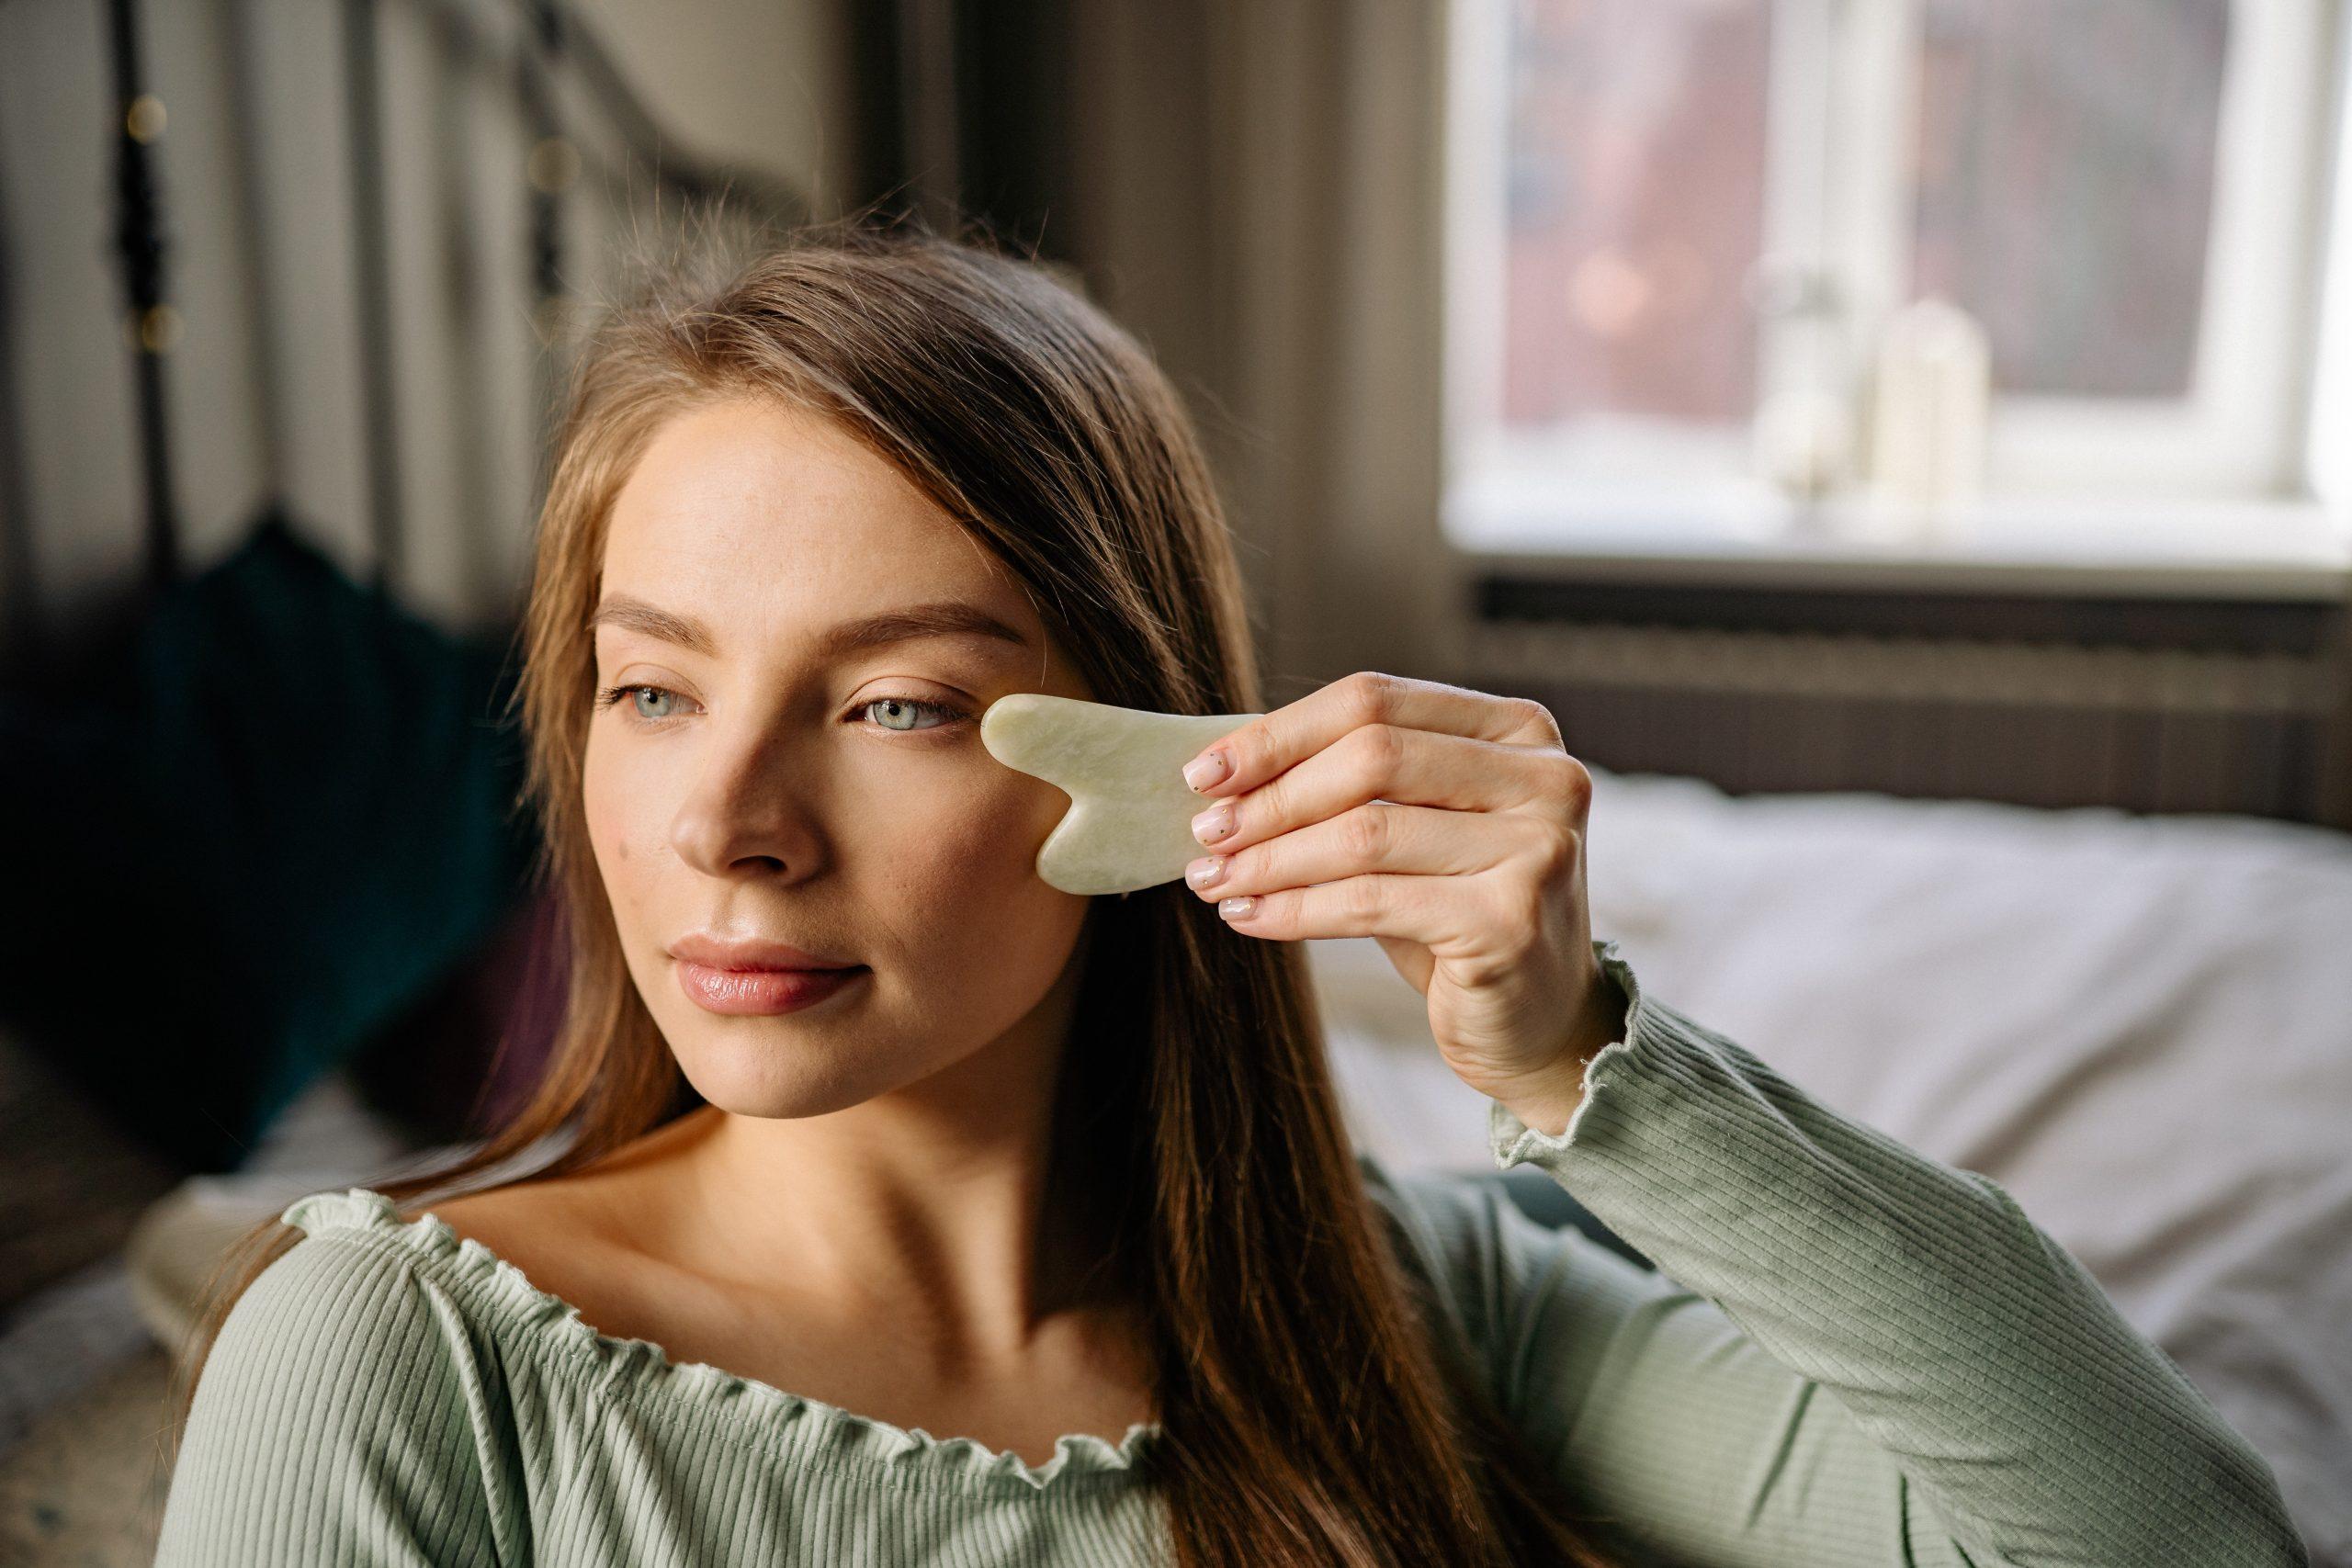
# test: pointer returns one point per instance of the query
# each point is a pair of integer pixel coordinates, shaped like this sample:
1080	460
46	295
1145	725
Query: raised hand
1447	823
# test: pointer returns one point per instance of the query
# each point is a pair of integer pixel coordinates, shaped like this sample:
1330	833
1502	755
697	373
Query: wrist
1549	1115
1547	1100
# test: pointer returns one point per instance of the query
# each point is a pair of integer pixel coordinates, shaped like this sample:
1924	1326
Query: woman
1063	1178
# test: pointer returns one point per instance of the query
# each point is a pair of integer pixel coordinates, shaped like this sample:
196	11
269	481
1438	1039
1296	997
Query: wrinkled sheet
2141	1027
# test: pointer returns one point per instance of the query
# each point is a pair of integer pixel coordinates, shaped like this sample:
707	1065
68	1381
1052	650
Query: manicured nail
1205	873
1208	769
1236	908
1215	823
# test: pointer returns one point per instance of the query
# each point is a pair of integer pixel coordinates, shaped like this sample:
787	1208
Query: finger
1417	840
1381	762
1447	915
1440	912
1266	745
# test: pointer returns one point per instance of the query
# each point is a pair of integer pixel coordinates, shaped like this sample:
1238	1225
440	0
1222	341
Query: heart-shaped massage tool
1130	818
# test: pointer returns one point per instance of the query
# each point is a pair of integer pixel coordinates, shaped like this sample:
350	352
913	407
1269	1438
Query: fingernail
1205	873
1236	908
1215	823
1208	769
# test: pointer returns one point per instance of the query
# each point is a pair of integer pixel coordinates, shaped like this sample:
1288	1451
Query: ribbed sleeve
339	1420
1851	1354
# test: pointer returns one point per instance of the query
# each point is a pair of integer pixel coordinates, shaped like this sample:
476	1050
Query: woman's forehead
741	464
756	513
762	556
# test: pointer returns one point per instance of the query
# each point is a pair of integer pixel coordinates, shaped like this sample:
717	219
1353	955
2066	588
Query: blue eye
612	695
906	705
655	705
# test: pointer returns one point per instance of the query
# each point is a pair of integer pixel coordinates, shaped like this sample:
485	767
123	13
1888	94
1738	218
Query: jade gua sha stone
1130	818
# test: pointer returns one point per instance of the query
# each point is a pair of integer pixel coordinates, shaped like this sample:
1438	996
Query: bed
2140	1026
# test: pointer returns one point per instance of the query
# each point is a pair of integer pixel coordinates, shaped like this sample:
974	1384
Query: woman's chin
811	1083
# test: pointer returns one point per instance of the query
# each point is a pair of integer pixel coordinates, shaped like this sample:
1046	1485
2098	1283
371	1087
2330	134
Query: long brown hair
1314	1409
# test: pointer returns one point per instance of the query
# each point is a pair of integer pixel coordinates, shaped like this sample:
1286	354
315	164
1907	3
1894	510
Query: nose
743	814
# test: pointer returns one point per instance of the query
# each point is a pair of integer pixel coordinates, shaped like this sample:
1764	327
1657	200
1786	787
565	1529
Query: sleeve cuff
1510	1139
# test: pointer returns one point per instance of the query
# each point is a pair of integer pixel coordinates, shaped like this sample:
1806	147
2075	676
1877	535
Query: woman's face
770	775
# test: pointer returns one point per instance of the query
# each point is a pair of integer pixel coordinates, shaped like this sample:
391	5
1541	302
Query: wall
263	385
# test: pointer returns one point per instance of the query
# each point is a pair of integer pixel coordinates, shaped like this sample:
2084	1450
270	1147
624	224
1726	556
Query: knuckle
1575	783
1372	695
1250	747
1535	716
1381	748
1259	807
1364	833
1266	864
1556	852
1524	913
1360	898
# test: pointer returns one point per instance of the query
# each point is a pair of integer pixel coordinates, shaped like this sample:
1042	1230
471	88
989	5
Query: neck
934	1198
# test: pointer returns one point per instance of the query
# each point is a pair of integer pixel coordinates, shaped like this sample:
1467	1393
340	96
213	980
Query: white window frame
1838	228
1652	476
2328	451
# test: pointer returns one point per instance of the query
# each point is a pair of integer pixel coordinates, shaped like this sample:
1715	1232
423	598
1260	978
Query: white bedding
2141	1027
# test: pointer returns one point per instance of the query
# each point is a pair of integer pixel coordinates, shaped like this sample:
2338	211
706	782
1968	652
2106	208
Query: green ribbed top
1851	1354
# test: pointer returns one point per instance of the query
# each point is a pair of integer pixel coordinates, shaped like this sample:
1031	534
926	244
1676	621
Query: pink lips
740	977
761	991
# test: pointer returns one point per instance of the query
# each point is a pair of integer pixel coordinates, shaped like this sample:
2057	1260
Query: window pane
1636	208
2065	180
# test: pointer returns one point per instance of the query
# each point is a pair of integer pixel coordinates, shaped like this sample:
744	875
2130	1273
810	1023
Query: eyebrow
940	618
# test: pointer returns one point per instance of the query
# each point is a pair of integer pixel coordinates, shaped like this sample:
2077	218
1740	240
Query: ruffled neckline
814	1431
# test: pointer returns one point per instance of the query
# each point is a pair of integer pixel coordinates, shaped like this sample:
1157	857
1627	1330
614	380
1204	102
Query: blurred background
1907	444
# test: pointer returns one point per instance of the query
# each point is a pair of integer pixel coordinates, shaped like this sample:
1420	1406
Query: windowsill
2273	550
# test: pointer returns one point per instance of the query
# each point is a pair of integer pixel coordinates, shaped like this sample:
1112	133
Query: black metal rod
141	245
25	645
551	164
540	57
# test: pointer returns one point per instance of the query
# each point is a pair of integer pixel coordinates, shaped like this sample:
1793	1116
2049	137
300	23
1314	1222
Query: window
1680	231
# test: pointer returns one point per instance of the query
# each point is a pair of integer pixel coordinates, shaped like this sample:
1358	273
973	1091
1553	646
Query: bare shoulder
592	1208
513	1219
535	1225
560	1233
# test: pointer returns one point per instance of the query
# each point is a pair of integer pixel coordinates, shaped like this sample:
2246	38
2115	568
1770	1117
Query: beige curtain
1255	188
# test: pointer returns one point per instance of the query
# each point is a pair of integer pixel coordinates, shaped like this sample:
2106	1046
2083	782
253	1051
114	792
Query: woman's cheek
986	835
618	811
595	810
